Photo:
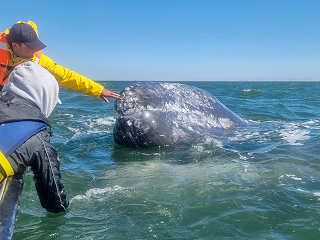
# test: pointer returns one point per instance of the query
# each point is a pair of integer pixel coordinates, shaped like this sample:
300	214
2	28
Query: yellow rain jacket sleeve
65	77
70	79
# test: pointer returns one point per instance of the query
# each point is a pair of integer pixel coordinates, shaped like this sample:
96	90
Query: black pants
38	153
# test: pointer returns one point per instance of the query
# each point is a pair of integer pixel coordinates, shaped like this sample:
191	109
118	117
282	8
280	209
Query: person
21	43
26	101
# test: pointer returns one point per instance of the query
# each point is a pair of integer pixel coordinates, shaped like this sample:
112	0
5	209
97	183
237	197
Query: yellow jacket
65	77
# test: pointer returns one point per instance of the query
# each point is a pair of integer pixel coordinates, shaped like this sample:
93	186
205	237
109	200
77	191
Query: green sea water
260	182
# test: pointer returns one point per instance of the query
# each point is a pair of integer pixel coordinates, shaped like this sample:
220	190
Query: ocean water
260	182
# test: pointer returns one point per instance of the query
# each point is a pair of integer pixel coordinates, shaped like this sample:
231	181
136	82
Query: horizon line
264	80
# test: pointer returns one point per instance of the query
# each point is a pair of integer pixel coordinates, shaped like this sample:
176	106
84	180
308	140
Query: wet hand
107	93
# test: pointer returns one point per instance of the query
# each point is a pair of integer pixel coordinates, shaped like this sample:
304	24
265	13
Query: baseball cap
24	33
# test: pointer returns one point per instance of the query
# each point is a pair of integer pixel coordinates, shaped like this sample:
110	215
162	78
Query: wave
96	192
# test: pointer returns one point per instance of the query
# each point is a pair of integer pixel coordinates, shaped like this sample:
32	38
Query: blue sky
178	40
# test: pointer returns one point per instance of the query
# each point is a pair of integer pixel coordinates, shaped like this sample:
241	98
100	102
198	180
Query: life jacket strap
7	66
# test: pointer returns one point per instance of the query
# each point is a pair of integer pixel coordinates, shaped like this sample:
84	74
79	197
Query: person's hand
107	93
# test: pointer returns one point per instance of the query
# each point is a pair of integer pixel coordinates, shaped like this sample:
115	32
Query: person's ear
14	45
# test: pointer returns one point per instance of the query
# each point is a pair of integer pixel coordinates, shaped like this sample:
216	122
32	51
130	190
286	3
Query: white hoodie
32	82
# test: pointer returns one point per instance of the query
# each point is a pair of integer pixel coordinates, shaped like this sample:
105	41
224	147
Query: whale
159	114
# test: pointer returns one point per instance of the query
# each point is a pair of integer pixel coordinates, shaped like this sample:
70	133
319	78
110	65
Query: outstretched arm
74	81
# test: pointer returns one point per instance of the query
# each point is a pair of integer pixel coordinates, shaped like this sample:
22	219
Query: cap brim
35	45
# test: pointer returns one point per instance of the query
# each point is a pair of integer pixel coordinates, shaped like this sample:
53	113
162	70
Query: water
260	182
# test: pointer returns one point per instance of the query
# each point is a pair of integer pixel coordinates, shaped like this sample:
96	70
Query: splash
95	192
293	135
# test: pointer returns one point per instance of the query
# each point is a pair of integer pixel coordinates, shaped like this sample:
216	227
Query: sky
178	40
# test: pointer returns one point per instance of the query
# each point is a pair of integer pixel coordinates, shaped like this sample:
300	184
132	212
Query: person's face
22	50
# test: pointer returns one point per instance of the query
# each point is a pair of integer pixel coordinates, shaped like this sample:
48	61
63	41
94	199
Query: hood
34	83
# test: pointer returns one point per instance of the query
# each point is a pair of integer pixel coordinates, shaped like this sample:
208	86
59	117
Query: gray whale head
164	114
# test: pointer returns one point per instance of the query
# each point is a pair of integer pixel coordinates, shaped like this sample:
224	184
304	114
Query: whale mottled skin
165	114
